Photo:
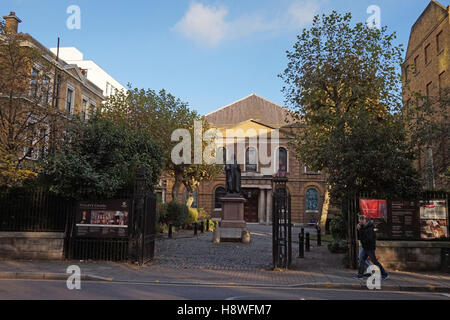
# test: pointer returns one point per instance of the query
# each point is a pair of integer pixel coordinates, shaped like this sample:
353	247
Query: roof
252	107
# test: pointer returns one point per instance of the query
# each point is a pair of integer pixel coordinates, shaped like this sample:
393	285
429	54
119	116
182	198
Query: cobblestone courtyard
186	251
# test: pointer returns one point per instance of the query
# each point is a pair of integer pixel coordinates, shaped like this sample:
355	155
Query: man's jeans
373	258
360	257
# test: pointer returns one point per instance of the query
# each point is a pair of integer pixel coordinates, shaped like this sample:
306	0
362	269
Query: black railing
37	210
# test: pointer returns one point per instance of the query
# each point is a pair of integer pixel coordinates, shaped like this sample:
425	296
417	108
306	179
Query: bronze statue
233	179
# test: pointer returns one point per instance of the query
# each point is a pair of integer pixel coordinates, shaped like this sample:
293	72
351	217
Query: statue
233	177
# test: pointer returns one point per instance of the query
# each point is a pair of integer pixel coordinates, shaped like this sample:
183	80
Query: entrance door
251	205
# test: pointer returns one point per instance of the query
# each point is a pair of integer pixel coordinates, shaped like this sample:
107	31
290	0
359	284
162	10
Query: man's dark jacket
367	236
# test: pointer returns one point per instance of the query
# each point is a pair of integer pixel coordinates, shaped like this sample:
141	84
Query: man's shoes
358	276
385	277
367	275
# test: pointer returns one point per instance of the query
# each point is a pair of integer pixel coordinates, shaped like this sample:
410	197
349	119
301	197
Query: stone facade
257	113
412	255
32	245
426	69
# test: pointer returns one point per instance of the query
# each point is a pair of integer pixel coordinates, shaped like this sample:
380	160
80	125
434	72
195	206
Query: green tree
343	84
160	114
100	158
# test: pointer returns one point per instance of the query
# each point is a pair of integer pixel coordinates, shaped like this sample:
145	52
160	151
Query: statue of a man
233	177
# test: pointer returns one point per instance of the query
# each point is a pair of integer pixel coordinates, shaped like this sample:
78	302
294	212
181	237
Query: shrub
161	212
338	246
177	213
202	214
192	217
338	228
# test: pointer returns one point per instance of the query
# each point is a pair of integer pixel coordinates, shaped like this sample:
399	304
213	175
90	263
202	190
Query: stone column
261	206
269	207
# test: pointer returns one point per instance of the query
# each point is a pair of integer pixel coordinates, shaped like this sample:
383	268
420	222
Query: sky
207	53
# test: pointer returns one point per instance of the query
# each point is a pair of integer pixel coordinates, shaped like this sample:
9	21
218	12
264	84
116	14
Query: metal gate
281	225
143	232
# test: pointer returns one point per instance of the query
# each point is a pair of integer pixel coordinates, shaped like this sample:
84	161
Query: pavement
189	260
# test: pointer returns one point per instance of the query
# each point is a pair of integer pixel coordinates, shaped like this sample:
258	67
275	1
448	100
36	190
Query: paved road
57	290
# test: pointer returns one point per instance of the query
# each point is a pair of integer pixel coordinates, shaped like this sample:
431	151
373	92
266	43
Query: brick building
256	118
426	71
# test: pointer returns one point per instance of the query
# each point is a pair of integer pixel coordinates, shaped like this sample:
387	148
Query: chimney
12	22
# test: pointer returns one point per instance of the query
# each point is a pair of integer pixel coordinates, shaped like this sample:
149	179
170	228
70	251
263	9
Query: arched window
282	161
194	195
251	160
312	200
219	193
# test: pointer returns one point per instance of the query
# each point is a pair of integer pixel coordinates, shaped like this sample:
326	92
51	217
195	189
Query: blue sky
208	53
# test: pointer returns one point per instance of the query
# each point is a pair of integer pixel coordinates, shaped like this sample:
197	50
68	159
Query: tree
428	128
160	114
100	158
343	85
25	107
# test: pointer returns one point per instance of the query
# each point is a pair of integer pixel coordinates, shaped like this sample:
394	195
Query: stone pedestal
232	226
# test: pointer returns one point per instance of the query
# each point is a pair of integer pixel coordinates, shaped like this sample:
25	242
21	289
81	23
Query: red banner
373	208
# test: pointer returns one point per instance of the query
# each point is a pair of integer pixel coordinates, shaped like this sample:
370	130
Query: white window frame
72	104
85	108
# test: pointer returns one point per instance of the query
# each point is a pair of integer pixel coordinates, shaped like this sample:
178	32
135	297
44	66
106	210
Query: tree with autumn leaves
25	107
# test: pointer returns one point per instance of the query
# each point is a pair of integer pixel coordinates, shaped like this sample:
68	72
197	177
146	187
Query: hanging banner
433	219
374	209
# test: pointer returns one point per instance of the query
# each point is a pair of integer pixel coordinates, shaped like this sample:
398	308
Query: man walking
368	242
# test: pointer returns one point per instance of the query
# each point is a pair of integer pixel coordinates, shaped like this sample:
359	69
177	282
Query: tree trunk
324	216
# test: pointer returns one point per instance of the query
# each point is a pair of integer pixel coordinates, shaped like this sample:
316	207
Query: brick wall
32	245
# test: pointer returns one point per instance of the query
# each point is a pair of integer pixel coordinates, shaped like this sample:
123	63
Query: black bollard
202	226
319	237
307	244
207	225
301	246
195	228
170	231
303	232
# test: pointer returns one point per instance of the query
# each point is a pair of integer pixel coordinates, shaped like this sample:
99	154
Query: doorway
251	205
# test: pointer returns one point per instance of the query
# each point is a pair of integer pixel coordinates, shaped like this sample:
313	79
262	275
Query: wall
411	255
32	245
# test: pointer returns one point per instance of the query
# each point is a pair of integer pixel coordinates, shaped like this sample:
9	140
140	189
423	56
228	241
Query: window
416	64
194	195
85	108
312	200
427	54
251	160
282	161
428	92
441	83
219	193
34	82
69	100
92	108
439	44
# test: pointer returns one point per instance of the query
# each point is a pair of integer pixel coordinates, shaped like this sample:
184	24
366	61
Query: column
261	206
268	206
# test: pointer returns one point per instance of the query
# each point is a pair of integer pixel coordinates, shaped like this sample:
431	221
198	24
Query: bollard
202	226
207	225
319	237
301	244
307	244
303	232
195	228
170	231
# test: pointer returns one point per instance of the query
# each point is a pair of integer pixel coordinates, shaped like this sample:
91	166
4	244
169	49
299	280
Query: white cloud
208	25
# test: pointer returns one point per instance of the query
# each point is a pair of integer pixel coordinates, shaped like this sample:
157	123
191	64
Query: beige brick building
426	71
255	115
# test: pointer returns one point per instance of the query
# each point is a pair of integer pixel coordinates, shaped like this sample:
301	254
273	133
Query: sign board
377	211
403	219
108	219
433	219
